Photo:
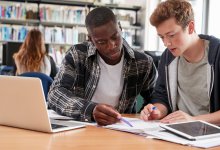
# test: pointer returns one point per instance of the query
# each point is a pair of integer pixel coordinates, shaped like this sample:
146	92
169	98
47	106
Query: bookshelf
62	22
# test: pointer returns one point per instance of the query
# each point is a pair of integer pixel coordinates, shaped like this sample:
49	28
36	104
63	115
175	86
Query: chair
45	80
155	55
140	102
7	70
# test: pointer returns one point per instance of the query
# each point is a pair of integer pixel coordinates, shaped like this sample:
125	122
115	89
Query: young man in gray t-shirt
188	84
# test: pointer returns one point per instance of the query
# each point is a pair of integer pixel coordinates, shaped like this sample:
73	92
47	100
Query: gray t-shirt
192	93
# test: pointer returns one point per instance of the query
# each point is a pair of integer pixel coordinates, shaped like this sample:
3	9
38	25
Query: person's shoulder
16	59
83	47
78	52
210	38
48	58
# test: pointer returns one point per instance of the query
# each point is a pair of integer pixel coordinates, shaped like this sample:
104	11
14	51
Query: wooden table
89	138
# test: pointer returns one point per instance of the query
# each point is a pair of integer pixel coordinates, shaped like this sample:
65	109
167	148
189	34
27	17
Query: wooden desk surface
89	138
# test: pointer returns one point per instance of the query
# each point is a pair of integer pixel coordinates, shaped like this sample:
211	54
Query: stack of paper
153	129
139	126
59	118
149	128
168	136
53	115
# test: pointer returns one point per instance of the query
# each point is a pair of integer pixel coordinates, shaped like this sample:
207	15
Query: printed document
139	126
168	136
152	129
54	116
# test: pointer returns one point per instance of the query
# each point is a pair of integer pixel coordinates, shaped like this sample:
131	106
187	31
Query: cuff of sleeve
87	115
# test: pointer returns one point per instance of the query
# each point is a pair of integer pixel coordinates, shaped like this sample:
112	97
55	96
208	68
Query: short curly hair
99	16
181	10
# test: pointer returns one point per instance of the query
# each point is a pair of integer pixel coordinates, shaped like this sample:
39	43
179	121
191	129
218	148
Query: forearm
211	118
67	95
65	103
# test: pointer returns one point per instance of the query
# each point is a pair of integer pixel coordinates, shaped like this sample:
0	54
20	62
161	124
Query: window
214	22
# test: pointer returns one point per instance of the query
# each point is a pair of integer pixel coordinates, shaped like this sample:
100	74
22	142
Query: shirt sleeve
63	97
160	91
149	82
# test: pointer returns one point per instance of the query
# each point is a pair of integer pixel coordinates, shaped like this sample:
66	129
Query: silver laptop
23	105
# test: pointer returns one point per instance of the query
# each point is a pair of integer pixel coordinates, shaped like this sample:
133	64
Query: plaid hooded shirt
78	77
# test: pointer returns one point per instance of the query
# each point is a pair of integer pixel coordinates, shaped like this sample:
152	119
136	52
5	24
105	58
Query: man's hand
177	116
105	114
150	112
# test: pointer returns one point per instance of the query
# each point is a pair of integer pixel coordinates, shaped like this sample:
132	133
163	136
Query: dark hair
181	10
99	16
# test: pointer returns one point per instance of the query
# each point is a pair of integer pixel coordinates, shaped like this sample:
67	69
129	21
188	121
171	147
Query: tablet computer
193	130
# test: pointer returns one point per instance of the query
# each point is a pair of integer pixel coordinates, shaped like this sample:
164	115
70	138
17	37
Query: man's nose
166	42
111	44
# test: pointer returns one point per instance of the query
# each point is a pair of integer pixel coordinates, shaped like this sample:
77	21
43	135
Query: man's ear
191	27
90	39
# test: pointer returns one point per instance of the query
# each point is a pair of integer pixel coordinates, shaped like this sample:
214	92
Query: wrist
92	114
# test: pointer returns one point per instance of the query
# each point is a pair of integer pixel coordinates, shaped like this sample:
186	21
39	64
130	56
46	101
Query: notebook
23	105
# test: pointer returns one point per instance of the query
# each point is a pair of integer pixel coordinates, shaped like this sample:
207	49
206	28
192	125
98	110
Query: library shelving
62	22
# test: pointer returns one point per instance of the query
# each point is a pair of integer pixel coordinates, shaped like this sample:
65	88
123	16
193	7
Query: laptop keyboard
55	126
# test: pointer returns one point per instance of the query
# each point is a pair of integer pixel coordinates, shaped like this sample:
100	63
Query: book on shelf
62	35
13	32
63	14
59	35
17	10
127	35
1	53
57	52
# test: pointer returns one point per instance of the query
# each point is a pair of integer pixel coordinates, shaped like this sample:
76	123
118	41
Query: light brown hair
32	51
181	10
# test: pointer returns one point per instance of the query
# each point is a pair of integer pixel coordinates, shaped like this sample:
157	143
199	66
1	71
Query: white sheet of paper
168	136
139	126
153	129
54	116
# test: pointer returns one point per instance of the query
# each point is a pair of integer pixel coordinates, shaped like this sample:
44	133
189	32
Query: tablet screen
195	128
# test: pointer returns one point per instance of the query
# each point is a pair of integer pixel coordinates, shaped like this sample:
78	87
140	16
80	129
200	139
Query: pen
126	121
153	108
